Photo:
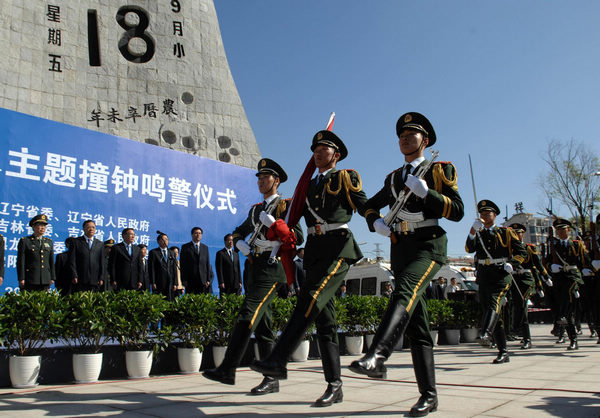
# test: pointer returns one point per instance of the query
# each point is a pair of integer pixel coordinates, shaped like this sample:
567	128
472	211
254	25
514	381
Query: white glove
381	228
417	186
596	264
266	219
587	272
477	224
555	268
549	282
243	247
508	268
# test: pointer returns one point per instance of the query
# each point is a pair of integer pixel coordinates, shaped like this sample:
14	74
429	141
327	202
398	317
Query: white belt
406	226
523	271
320	229
570	268
490	261
263	245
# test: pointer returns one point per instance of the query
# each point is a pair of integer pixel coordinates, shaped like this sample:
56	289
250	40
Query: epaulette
443	162
256	204
530	245
392	172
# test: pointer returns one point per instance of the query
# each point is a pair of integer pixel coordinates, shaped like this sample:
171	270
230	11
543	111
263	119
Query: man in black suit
227	265
161	263
196	271
125	263
300	272
63	270
145	268
86	262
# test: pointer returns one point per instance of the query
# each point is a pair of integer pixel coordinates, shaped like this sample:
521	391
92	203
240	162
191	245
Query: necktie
197	248
230	254
408	169
164	251
89	243
129	249
320	178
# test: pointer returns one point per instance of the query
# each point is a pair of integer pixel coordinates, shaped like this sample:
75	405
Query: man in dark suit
63	270
227	265
196	271
86	262
35	257
161	263
300	272
125	263
145	267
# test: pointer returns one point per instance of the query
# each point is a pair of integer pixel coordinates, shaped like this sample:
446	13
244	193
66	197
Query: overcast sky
497	79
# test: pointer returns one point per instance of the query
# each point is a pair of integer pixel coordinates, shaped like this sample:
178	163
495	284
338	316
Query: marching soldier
418	251
498	252
528	279
594	250
264	274
569	260
35	257
330	250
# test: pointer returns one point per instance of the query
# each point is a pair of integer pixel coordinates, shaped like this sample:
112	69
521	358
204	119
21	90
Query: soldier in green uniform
35	257
264	275
569	261
418	250
529	280
498	252
330	250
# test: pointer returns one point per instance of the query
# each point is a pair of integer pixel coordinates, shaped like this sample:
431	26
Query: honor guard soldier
264	274
594	249
498	252
35	257
330	199
418	250
528	279
569	260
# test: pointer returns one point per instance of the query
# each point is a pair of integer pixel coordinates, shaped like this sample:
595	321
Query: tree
572	177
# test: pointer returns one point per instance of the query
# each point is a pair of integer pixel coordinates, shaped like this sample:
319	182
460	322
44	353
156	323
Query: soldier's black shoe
270	368
560	340
489	324
424	406
598	342
268	385
573	345
225	376
333	394
371	366
502	358
526	345
485	340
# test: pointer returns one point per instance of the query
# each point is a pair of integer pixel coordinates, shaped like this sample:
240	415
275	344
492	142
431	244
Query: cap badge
319	136
263	163
407	118
483	203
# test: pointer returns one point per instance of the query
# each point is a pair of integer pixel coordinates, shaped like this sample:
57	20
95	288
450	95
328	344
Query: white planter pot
189	359
138	364
218	354
24	370
301	352
86	367
354	345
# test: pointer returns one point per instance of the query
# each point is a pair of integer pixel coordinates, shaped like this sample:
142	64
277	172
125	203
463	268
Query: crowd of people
419	194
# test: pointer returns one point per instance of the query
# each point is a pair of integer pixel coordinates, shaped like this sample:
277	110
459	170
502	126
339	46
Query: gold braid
346	181
440	179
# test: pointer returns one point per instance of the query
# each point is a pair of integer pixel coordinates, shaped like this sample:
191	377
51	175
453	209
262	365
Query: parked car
464	275
368	277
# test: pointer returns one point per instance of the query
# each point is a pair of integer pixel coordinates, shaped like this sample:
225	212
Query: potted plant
191	317
378	307
226	312
282	310
27	321
357	319
449	331
87	321
468	314
434	312
136	327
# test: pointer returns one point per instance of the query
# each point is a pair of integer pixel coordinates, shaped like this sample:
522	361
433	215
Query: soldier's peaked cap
417	122
487	205
268	166
109	242
329	139
38	219
517	227
561	223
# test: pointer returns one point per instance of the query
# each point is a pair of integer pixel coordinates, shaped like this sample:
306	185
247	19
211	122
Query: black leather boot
572	332
500	338
422	357
333	394
526	343
269	384
489	323
392	327
238	342
275	364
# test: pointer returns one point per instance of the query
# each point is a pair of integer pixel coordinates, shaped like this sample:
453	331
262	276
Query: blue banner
72	174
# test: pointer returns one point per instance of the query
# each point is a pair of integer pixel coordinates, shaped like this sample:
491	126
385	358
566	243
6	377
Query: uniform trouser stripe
500	296
571	292
262	302
416	289
320	289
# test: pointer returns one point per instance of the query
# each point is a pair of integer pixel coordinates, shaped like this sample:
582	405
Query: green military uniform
494	248
418	250
35	259
568	258
265	274
329	252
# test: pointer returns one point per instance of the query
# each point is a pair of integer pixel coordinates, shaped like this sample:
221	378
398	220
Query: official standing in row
265	273
227	265
35	257
162	268
125	263
331	198
196	271
498	252
418	250
86	261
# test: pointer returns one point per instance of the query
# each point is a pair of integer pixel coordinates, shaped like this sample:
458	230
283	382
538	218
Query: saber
330	121
473	183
